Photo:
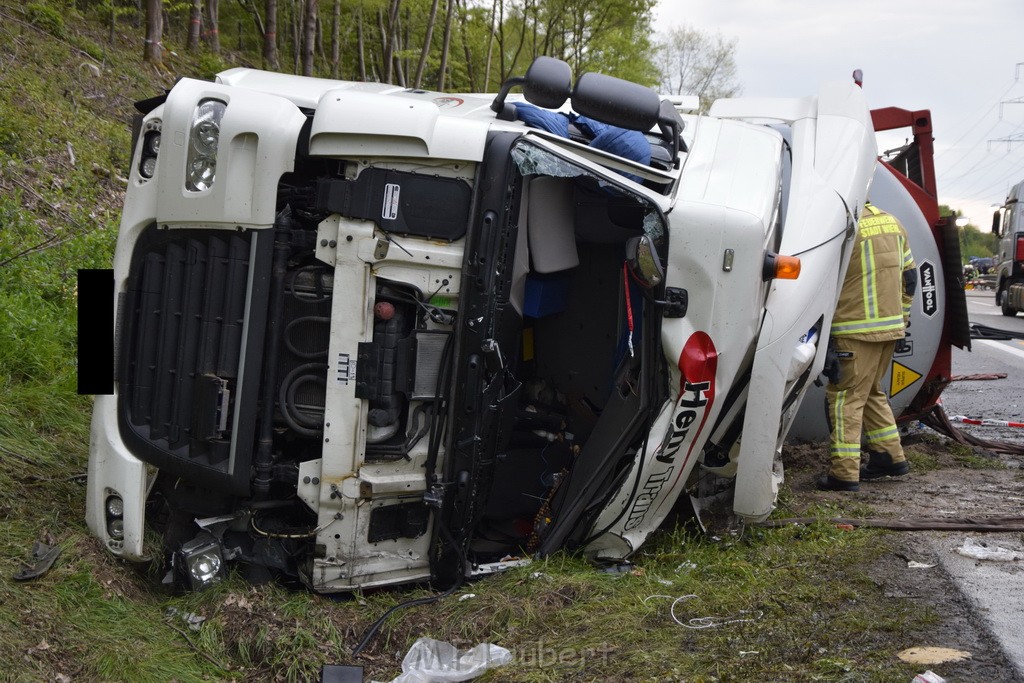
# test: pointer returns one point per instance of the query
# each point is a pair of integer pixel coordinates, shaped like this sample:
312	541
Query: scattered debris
467	596
704	622
341	673
973	524
44	554
928	677
938	420
933	655
192	620
981	551
985	422
918	565
434	661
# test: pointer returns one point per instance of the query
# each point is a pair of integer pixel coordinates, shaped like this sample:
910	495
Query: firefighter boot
830	483
880	464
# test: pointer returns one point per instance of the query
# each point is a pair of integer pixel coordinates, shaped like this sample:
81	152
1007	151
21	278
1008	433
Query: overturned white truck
369	335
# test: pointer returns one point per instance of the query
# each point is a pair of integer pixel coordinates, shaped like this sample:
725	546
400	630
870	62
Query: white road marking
982	303
1001	347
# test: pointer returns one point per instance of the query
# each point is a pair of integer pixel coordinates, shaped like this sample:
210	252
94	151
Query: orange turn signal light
780	267
787	267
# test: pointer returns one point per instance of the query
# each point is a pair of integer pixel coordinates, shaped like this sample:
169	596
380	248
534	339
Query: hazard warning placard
902	377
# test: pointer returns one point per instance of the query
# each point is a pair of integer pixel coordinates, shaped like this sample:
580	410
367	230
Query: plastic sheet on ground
980	551
434	661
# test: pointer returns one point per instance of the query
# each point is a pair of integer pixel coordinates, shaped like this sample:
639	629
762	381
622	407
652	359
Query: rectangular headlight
203	138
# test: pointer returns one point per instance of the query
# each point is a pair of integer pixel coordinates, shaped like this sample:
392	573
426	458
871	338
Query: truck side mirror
644	262
547	84
995	223
617	102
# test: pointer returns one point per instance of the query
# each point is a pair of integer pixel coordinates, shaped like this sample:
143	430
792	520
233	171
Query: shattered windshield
535	161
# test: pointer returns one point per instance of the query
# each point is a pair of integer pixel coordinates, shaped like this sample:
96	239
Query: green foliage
973	241
47	18
208	64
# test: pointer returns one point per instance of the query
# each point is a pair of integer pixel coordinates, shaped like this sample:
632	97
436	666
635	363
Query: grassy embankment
803	605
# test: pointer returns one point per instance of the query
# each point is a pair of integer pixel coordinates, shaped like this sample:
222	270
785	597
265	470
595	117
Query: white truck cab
369	335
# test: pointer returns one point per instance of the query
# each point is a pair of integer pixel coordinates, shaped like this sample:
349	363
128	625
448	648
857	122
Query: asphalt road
1002	399
996	588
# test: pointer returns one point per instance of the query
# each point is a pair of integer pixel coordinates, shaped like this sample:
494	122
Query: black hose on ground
937	419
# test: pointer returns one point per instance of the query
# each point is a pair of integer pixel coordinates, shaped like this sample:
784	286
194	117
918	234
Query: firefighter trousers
858	408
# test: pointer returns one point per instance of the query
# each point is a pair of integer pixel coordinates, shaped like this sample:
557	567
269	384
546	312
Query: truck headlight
150	150
203	138
201	562
114	507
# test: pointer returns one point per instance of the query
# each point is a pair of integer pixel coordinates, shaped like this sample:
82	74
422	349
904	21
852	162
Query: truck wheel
1004	305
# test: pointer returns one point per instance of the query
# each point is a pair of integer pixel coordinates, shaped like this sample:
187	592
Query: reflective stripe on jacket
873	304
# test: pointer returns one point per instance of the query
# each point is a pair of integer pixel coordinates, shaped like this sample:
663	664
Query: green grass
794	602
973	461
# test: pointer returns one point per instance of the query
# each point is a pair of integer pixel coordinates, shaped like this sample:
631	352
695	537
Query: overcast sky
955	57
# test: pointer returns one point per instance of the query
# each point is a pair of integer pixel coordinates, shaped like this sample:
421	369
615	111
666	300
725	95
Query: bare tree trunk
270	56
360	44
404	67
418	80
446	45
501	42
470	67
195	25
308	37
320	41
490	47
385	47
336	40
399	44
213	29
113	24
296	34
153	51
536	26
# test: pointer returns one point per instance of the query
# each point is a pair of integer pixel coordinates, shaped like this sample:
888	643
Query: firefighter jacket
874	304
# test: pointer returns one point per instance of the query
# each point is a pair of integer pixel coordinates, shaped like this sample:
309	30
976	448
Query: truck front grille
191	348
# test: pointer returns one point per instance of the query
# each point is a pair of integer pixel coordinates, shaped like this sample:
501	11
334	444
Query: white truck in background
1008	225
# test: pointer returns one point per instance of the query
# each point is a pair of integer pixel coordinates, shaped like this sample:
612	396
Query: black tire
1004	306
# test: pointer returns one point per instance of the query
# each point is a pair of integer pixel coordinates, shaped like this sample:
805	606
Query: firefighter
872	314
